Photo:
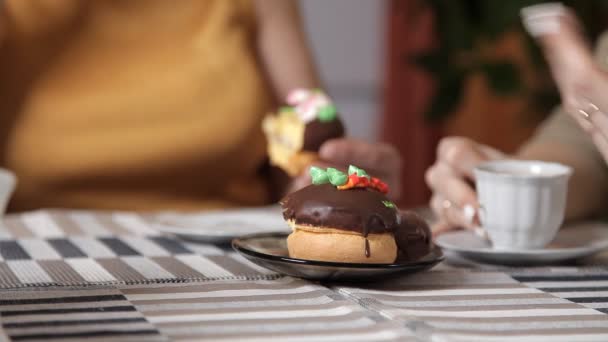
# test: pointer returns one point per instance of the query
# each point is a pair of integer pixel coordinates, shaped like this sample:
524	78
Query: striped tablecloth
75	275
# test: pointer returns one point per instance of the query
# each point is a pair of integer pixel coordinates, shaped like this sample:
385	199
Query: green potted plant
466	29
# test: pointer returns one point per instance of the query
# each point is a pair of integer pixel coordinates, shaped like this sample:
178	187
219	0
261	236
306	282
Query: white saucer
572	242
221	226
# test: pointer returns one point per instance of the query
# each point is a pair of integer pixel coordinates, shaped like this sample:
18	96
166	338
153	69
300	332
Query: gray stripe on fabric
529	332
145	246
446	278
106	221
61	272
378	332
128	326
205	266
66	248
263	321
332	309
11	250
157	306
243	290
171	245
295	326
119	247
29	272
242	260
528	319
179	269
70	316
53	292
75	322
488	308
203	249
451	302
120	270
16	227
42	224
39	249
479	297
7	277
94	248
138	338
26	307
148	268
232	265
89	224
244	299
519	326
389	288
64	221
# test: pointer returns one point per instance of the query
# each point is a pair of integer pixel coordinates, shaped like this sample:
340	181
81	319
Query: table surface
75	275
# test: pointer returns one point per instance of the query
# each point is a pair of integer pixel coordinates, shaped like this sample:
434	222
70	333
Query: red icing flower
355	181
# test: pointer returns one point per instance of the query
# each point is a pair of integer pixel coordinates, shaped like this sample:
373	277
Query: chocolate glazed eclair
352	222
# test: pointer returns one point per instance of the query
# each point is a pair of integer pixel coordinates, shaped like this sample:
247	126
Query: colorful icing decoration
359	172
318	175
356	178
312	104
327	113
389	204
336	177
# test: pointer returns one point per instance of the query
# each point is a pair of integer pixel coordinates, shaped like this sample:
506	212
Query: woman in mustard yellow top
152	104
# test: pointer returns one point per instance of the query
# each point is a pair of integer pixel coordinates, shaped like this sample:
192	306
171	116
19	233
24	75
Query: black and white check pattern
65	248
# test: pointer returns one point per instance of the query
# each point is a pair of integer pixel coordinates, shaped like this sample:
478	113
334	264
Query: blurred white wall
348	39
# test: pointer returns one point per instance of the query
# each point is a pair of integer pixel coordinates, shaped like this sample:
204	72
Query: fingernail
542	19
481	233
468	212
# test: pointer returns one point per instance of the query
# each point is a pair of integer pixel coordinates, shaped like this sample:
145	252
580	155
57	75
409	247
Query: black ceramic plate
269	250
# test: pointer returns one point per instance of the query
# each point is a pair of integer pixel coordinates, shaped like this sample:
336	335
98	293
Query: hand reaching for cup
454	201
582	83
378	159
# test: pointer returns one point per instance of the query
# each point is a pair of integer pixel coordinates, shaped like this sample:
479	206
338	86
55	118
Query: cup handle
482	213
480	231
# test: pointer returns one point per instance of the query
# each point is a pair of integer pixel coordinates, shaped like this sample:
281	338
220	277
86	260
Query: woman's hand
454	200
378	159
582	83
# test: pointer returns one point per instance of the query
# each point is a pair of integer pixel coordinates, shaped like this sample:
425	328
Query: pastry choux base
330	244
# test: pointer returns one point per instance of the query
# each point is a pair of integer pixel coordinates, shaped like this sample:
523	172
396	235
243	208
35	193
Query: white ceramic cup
8	182
522	202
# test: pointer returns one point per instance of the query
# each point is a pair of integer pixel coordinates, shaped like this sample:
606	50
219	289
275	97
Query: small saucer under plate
269	250
573	241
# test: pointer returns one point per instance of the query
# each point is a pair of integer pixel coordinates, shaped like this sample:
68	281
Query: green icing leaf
336	177
318	175
286	109
389	204
359	172
327	113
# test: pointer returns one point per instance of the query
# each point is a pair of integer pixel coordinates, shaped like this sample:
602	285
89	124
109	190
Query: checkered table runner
76	275
46	248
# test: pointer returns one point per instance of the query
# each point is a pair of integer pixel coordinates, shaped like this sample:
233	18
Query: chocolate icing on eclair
360	210
317	132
